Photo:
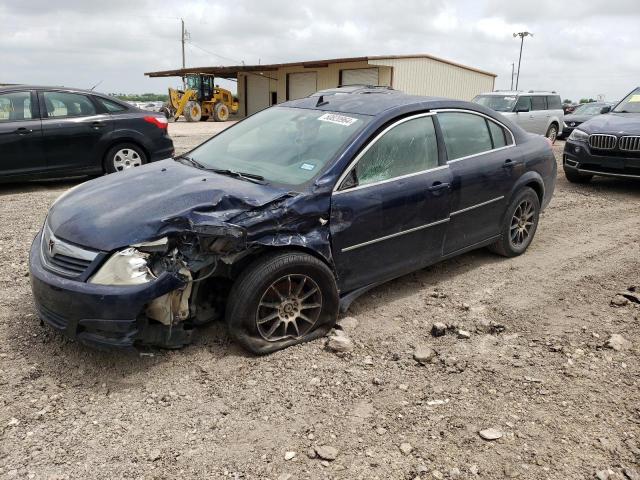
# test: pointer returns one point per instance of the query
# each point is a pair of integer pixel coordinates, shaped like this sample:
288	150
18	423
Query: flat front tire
519	225
280	300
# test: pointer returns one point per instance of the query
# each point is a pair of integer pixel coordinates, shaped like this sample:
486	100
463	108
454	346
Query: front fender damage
203	249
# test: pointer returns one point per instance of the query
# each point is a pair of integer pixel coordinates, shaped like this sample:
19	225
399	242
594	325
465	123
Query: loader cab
203	85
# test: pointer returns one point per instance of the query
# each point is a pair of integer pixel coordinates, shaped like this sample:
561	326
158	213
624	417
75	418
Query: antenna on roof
96	85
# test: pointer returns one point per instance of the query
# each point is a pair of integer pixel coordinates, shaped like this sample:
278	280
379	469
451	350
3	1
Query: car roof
351	89
515	93
10	88
376	104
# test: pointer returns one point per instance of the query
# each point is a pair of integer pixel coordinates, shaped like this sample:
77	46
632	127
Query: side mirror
522	109
606	109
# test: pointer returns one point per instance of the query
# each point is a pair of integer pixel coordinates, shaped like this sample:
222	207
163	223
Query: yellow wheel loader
200	100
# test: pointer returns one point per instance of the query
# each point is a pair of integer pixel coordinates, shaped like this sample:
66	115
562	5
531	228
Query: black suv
58	132
607	144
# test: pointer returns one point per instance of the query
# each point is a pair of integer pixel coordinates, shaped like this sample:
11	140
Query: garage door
257	93
301	85
360	76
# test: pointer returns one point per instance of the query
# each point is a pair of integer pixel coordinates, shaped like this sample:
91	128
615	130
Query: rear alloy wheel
552	133
123	157
519	225
220	112
192	112
280	300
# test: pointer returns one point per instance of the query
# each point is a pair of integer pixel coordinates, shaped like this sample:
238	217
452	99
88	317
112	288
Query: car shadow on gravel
40	185
423	280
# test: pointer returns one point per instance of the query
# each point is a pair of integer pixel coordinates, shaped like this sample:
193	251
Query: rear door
525	119
21	149
73	127
483	167
541	115
391	206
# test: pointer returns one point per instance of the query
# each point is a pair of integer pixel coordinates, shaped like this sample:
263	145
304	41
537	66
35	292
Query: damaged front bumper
106	316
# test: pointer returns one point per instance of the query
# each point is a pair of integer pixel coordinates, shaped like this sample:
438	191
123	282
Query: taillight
159	122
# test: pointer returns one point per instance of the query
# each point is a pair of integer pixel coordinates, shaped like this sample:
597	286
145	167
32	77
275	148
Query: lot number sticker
337	119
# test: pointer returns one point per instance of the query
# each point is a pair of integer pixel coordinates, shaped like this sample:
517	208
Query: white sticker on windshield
307	166
338	119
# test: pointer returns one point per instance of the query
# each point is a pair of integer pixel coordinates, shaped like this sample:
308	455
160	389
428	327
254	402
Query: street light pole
521	35
512	74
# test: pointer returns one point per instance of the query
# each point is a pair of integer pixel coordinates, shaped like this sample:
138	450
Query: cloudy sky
580	48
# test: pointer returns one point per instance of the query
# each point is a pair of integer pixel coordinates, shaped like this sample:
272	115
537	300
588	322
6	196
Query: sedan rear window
63	104
282	144
464	134
15	106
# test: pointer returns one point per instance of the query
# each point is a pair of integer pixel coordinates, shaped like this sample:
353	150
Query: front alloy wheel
289	308
281	299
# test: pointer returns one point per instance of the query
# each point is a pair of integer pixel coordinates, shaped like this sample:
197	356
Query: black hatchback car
284	218
607	145
57	132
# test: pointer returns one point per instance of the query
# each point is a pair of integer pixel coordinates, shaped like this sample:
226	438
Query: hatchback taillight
159	122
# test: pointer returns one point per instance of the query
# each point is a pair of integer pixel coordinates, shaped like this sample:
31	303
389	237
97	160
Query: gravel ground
532	366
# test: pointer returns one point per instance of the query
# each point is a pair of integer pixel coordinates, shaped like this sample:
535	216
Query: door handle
97	125
438	186
508	163
23	131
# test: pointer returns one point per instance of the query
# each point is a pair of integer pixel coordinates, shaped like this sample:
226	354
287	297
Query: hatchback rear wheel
280	300
519	225
123	157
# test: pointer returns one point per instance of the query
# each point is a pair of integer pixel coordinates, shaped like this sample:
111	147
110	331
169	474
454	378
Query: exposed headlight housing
579	136
126	267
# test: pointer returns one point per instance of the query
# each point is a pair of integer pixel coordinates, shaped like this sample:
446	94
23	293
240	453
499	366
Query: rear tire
519	225
192	112
123	157
220	112
577	177
552	133
280	300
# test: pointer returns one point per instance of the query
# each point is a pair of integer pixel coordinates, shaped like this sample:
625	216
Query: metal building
260	86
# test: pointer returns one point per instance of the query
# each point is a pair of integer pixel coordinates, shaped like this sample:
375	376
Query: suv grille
63	257
630	144
602	142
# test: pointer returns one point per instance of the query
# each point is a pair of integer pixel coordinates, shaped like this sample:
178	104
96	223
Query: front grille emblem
51	245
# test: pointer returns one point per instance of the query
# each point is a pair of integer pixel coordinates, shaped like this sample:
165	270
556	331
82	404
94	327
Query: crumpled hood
613	123
145	203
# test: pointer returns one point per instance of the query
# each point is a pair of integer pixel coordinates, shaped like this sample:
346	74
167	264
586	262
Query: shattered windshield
631	104
280	144
498	103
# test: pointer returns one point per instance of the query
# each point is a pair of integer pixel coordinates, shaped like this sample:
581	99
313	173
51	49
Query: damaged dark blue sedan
280	221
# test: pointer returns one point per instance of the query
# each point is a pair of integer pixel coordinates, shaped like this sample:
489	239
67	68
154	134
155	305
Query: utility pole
513	66
183	39
521	35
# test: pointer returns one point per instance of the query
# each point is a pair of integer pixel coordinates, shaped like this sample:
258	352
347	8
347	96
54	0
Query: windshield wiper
251	177
191	161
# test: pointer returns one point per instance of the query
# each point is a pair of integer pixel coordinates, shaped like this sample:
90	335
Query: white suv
536	112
